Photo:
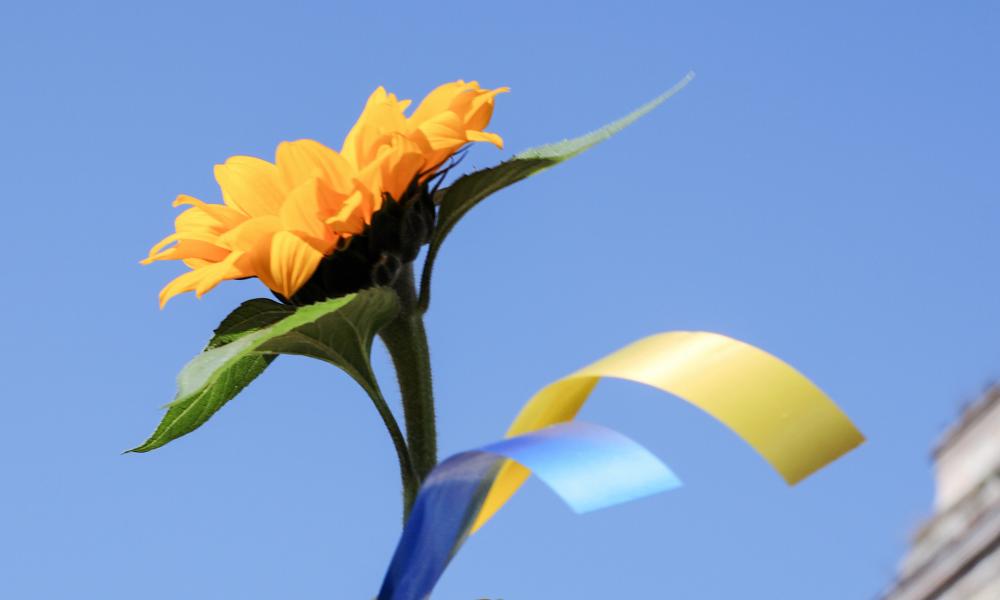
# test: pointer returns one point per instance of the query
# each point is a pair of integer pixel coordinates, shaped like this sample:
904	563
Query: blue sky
825	189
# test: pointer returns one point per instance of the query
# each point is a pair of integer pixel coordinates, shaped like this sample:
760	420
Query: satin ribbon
773	407
588	466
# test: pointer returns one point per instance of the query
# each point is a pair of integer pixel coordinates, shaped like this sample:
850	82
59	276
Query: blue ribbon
588	466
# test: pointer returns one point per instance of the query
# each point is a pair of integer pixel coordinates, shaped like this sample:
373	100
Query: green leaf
469	190
338	331
248	317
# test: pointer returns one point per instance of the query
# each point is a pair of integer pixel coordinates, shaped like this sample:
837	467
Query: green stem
406	341
408	475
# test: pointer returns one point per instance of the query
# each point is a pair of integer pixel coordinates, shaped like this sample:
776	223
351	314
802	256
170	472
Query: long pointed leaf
338	331
469	190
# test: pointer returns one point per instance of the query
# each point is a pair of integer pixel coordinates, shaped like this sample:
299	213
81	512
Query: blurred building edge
955	555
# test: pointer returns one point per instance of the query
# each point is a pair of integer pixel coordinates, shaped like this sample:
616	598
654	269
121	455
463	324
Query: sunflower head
318	223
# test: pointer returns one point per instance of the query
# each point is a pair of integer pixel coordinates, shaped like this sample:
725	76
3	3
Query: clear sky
826	189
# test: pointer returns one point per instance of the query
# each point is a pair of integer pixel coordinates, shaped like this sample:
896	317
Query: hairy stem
406	341
407	473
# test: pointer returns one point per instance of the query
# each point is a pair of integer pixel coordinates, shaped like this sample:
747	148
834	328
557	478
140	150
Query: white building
956	554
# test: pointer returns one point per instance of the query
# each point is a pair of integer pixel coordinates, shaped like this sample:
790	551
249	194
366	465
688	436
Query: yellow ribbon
783	415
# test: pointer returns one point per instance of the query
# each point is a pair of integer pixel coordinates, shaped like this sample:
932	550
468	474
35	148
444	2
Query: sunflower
318	223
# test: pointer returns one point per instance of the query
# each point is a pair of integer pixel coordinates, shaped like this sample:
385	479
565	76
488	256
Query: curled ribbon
588	466
774	408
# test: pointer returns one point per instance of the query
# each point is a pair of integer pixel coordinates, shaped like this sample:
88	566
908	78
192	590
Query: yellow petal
350	219
223	215
480	110
155	251
302	214
250	233
485	136
188	249
200	219
183	283
202	279
219	272
253	240
352	142
293	261
400	167
301	160
444	131
382	116
158	247
251	185
257	261
438	101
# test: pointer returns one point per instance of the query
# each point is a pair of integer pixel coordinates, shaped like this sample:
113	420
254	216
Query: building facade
955	554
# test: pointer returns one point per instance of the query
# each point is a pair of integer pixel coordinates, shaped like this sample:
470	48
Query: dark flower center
376	256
